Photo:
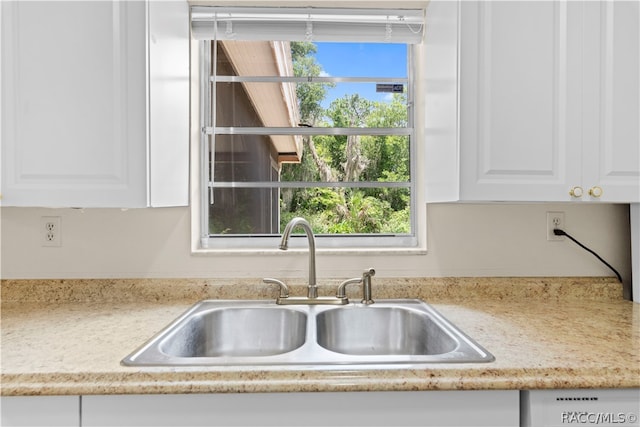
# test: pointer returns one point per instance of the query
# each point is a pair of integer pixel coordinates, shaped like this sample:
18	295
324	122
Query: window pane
244	211
363	59
341	157
349	210
351	158
243	158
347	104
256	58
330	158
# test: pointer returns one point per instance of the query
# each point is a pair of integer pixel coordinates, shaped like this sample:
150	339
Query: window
307	112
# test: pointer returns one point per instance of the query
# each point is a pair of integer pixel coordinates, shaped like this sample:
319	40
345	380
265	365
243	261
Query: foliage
349	158
310	95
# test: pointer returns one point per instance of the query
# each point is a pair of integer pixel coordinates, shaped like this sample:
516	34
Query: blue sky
361	60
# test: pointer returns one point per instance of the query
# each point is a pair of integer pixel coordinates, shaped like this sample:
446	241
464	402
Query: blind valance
308	24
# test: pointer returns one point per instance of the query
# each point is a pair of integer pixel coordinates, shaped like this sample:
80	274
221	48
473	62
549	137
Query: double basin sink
259	333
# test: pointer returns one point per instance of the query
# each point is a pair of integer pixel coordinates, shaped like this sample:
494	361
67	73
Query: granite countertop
67	337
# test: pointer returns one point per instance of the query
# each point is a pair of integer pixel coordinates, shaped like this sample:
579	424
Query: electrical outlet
554	220
51	231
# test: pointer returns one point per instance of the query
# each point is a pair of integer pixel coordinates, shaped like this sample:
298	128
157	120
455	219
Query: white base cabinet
95	103
529	408
45	411
430	408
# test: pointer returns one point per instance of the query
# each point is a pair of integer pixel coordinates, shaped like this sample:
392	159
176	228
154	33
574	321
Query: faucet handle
366	286
342	288
284	289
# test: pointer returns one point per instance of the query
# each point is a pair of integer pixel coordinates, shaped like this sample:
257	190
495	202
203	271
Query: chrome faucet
312	289
366	287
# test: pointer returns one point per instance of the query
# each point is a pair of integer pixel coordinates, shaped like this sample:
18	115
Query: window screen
307	112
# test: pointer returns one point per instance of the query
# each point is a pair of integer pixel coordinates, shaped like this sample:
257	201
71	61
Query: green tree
350	111
351	158
312	167
310	95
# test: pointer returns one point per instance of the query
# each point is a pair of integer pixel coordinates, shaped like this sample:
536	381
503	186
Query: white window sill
321	251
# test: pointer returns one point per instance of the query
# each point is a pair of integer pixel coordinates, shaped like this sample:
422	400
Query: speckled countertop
68	336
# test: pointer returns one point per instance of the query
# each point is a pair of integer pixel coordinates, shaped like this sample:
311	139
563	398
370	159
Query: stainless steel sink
376	330
246	333
237	332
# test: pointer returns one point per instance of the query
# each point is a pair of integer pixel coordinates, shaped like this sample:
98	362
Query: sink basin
371	330
258	333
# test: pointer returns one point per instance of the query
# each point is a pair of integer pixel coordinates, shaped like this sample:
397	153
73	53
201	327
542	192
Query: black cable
559	232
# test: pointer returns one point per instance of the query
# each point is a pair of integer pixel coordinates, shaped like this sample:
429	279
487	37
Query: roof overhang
275	103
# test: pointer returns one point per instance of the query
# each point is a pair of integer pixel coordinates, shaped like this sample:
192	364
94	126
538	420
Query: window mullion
306	79
205	137
310	184
214	116
240	130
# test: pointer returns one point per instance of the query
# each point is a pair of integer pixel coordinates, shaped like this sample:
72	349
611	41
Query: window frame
414	242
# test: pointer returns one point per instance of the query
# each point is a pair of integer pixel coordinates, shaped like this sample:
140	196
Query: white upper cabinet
611	88
95	109
519	100
548	101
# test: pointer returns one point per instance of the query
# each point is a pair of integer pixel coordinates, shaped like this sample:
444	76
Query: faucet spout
312	289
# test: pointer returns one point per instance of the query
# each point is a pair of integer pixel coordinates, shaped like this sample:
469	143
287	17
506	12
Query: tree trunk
356	162
326	174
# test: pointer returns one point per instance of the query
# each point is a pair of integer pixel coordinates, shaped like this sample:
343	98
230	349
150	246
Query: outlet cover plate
554	220
51	231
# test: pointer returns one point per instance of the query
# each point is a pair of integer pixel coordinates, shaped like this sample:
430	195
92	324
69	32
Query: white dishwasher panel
580	407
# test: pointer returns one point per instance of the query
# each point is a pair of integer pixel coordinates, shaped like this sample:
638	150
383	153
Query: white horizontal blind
308	24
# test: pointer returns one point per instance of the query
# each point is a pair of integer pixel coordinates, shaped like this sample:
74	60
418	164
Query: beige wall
463	240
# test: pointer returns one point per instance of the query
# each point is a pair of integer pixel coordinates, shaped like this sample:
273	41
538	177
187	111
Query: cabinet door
612	101
49	411
432	408
73	104
520	83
